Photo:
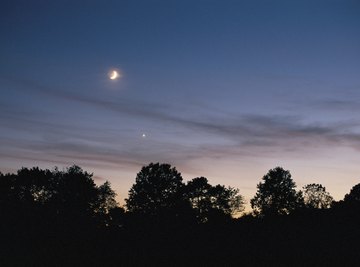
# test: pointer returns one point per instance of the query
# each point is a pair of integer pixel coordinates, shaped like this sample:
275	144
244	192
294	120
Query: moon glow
114	75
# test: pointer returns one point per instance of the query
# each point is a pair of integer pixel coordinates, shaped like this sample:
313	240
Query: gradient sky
222	89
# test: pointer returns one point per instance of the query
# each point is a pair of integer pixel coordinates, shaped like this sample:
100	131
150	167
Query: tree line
65	214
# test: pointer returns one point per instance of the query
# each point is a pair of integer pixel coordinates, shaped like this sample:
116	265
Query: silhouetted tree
75	193
8	198
33	185
197	192
69	195
7	194
26	190
354	195
106	198
156	190
208	200
276	195
50	218
105	203
227	199
316	197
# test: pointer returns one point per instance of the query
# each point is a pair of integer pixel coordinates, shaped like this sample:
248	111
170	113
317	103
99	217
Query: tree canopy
276	194
316	197
52	216
159	190
209	201
354	195
156	190
69	193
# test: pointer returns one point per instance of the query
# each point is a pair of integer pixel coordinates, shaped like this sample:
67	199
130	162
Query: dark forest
62	218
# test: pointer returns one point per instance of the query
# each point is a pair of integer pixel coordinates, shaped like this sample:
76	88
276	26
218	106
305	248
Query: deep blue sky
223	89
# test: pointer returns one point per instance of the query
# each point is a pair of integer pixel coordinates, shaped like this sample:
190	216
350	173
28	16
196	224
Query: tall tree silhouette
197	192
156	190
76	193
276	195
208	201
316	197
354	195
106	198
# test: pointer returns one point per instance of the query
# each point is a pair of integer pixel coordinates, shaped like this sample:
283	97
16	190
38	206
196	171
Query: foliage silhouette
156	190
316	197
212	201
354	195
276	195
75	193
159	191
106	198
62	218
70	195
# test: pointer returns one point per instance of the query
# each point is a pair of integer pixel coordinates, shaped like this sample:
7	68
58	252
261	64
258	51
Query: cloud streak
241	135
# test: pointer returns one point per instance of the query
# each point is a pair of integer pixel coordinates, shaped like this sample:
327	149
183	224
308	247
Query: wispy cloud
241	135
338	104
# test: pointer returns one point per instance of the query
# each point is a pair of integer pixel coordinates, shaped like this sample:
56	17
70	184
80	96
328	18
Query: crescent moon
114	75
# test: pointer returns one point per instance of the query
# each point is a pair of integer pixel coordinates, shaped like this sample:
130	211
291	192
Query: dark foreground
308	238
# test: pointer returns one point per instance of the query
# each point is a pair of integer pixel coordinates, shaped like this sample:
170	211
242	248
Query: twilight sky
221	89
